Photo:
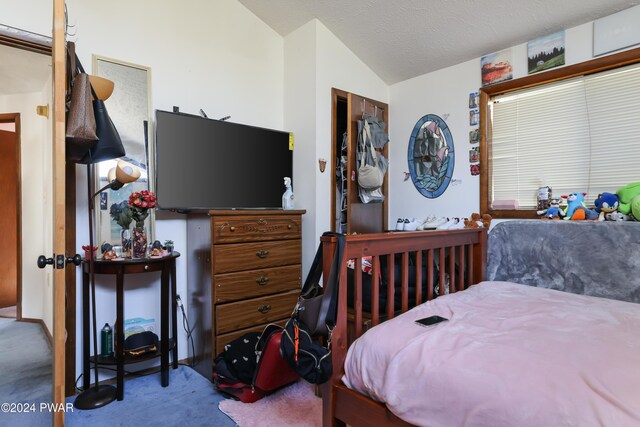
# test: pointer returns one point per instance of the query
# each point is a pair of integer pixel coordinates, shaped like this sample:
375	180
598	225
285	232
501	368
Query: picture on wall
431	156
474	117
496	67
545	52
474	136
473	99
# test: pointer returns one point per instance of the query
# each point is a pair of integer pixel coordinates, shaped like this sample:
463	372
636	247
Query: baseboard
44	327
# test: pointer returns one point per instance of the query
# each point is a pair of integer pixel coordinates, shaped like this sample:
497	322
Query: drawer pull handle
232	229
146	268
262	281
289	226
264	309
262	254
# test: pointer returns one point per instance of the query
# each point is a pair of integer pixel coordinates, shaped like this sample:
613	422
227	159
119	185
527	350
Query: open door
58	155
348	214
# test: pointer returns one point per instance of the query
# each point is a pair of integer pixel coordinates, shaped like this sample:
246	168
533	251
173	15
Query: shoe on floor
400	224
426	221
434	224
459	225
447	225
412	224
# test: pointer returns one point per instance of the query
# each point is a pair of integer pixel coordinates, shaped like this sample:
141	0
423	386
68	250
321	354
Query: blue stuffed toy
553	211
606	203
576	209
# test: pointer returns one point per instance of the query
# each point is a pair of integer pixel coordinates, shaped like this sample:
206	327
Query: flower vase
138	241
125	239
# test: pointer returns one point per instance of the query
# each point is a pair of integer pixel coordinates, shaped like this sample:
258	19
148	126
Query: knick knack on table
138	240
287	197
139	204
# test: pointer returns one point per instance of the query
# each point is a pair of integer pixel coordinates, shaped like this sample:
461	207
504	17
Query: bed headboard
584	257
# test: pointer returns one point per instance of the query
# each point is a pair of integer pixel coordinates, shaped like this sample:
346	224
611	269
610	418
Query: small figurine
287	197
553	211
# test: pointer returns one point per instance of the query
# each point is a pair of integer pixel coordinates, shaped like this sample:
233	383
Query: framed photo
545	52
474	155
496	67
474	117
474	136
474	98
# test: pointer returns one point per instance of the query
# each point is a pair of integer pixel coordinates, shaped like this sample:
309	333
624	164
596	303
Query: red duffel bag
251	367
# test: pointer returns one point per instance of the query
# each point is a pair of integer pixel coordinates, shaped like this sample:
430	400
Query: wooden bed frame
342	406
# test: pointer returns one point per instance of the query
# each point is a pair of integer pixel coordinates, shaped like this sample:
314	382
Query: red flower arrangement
140	203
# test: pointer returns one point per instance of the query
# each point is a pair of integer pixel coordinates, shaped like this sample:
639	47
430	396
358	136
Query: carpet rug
189	400
25	373
294	406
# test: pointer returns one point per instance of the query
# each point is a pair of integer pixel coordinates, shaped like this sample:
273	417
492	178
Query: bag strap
363	137
81	70
329	303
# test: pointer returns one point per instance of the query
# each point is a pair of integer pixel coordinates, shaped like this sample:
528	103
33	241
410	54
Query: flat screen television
206	164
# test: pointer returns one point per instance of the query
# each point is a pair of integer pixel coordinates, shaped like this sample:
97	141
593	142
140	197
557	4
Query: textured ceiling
22	71
401	39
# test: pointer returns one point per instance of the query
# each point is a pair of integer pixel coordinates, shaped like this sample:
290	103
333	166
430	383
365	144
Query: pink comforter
510	355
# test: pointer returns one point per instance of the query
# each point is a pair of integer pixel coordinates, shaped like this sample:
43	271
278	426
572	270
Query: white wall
211	55
316	61
442	92
35	153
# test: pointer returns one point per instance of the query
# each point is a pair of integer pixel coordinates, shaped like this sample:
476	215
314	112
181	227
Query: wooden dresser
244	272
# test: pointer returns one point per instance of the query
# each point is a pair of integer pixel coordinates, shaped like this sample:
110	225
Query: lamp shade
101	86
123	174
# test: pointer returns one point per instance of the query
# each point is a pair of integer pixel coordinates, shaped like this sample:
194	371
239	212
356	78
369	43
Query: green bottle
106	340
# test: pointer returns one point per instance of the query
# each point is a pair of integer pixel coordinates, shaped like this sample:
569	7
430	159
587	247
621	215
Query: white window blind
577	135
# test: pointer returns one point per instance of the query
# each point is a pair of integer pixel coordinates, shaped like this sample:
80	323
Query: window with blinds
576	135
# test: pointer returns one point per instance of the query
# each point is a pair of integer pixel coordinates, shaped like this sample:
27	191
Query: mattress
509	355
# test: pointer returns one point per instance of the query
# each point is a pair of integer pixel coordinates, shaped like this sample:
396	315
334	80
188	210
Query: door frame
63	308
58	59
15	118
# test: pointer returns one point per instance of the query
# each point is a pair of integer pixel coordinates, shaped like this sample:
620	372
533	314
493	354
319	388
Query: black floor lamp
97	395
109	147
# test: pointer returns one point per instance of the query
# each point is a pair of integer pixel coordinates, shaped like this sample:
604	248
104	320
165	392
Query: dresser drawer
250	228
251	256
256	311
222	340
256	283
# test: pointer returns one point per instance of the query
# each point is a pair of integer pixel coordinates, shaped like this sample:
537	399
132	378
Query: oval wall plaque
431	156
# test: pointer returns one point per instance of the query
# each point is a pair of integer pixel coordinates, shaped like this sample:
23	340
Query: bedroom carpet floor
25	376
25	371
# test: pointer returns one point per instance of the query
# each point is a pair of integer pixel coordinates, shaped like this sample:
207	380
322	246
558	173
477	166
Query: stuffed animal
606	203
478	221
553	211
576	208
630	200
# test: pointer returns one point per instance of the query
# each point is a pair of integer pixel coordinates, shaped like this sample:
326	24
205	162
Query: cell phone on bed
431	320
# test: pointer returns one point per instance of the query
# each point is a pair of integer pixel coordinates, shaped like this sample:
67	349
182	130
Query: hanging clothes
376	137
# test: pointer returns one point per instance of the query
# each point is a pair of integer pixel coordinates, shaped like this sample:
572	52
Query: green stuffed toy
630	199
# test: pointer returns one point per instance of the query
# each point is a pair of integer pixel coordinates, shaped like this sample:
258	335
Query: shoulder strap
330	299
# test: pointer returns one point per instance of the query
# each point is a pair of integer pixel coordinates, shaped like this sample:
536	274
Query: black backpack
306	355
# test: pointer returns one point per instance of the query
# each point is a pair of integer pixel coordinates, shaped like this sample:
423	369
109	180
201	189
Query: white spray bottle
287	197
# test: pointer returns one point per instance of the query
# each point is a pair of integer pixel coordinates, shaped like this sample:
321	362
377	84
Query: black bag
316	307
308	357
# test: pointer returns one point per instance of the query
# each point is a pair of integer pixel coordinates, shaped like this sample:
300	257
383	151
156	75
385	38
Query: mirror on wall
130	109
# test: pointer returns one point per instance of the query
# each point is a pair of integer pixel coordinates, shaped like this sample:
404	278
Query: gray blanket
584	257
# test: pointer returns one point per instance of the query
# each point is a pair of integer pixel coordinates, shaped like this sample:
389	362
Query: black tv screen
212	164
